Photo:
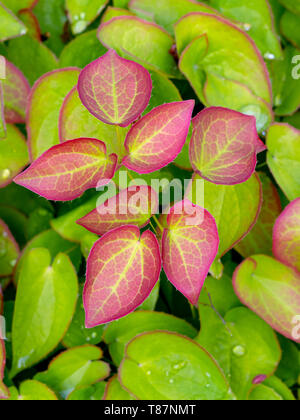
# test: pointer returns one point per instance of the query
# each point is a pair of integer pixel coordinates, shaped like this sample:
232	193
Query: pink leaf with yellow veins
122	269
189	247
16	92
158	138
115	90
67	170
286	236
224	146
132	206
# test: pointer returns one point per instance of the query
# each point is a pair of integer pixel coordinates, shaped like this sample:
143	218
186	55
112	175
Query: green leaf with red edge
31	23
271	290
115	392
224	146
115	90
234	207
9	251
75	368
75	121
4	393
122	269
16	92
82	13
11	27
67	170
215	56
158	138
45	101
2	120
259	240
286	237
283	142
255	17
147	43
132	206
167	12
160	365
189	246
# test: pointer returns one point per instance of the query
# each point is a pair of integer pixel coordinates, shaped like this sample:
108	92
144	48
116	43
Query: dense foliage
149	200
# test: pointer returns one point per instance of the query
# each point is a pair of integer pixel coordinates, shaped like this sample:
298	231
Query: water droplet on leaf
239	351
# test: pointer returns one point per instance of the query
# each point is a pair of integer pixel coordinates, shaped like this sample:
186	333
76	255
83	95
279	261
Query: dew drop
247	26
13	263
3	249
269	56
82	16
23	31
239	351
79	26
149	372
171	381
94	335
5	174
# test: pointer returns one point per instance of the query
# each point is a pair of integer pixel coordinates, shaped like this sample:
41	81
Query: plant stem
158	223
120	142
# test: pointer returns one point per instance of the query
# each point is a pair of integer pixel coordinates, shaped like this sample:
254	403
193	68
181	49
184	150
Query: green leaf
73	369
2	119
11	26
271	390
52	20
82	50
55	244
83	12
88	393
9	251
272	290
283	142
112	12
289	367
13	155
260	239
23	200
46	98
25	51
214	57
257	20
246	347
235	208
66	225
167	366
292	5
166	12
115	392
136	39
77	334
118	334
286	87
45	303
33	391
289	26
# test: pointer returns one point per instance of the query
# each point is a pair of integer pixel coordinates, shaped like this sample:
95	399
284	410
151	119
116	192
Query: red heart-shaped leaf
224	146
189	247
16	92
158	138
122	269
115	90
132	206
286	236
67	170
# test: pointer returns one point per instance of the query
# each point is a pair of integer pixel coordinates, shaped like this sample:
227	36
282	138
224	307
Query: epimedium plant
124	265
194	289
